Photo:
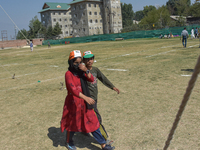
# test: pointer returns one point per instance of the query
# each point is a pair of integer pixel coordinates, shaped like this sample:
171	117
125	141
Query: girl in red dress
77	117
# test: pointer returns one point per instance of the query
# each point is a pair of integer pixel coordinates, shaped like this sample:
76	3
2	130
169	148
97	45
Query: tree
20	35
194	10
127	14
178	7
49	34
157	18
57	30
34	28
139	15
147	9
171	5
183	7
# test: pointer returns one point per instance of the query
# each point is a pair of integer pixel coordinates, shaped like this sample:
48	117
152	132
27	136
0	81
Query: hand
116	89
90	101
82	67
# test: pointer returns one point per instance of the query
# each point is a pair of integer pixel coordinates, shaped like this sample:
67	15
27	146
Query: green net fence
175	31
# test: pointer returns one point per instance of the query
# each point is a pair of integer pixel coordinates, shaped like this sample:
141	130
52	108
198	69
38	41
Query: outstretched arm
106	82
116	89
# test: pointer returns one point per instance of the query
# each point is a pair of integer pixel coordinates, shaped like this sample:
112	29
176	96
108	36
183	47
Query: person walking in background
184	36
49	45
76	116
31	46
196	32
192	33
88	59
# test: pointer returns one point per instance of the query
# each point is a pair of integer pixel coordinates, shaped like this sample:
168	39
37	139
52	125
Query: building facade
52	13
84	17
90	17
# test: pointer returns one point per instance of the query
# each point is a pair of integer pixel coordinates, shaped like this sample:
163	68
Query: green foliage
157	18
49	32
178	7
57	30
147	9
183	7
127	14
20	35
171	5
34	28
139	15
195	10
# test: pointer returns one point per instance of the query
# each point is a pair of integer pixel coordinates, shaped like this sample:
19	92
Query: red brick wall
19	43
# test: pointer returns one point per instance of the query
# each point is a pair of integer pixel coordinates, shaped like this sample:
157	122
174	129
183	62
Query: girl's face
77	61
89	62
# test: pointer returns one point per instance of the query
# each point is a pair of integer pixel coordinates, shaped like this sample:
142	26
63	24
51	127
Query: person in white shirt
192	33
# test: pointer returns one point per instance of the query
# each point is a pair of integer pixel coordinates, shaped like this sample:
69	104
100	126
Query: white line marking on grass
186	75
160	53
117	69
54	66
10	64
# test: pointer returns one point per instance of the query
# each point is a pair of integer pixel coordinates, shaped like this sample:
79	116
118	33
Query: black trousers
102	129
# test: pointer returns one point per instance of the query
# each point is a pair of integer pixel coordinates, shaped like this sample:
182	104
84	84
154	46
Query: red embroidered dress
76	117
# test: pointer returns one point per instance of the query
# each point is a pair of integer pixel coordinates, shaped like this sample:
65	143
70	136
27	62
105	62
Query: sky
22	11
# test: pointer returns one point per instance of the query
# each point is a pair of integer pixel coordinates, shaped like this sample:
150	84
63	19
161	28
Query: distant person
192	33
31	46
49	45
184	36
161	36
196	32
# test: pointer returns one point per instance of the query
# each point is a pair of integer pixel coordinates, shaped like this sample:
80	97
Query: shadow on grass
189	70
80	140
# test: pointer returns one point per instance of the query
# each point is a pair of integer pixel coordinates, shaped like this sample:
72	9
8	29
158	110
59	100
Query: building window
65	26
99	13
75	15
59	13
60	19
54	20
64	13
83	21
101	20
95	13
90	13
60	26
74	8
95	5
96	21
54	13
43	22
89	5
83	14
65	19
84	29
42	15
66	32
90	20
70	19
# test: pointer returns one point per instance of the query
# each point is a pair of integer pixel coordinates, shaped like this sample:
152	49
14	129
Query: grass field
152	75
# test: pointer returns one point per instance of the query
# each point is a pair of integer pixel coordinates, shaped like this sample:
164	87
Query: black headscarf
76	71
